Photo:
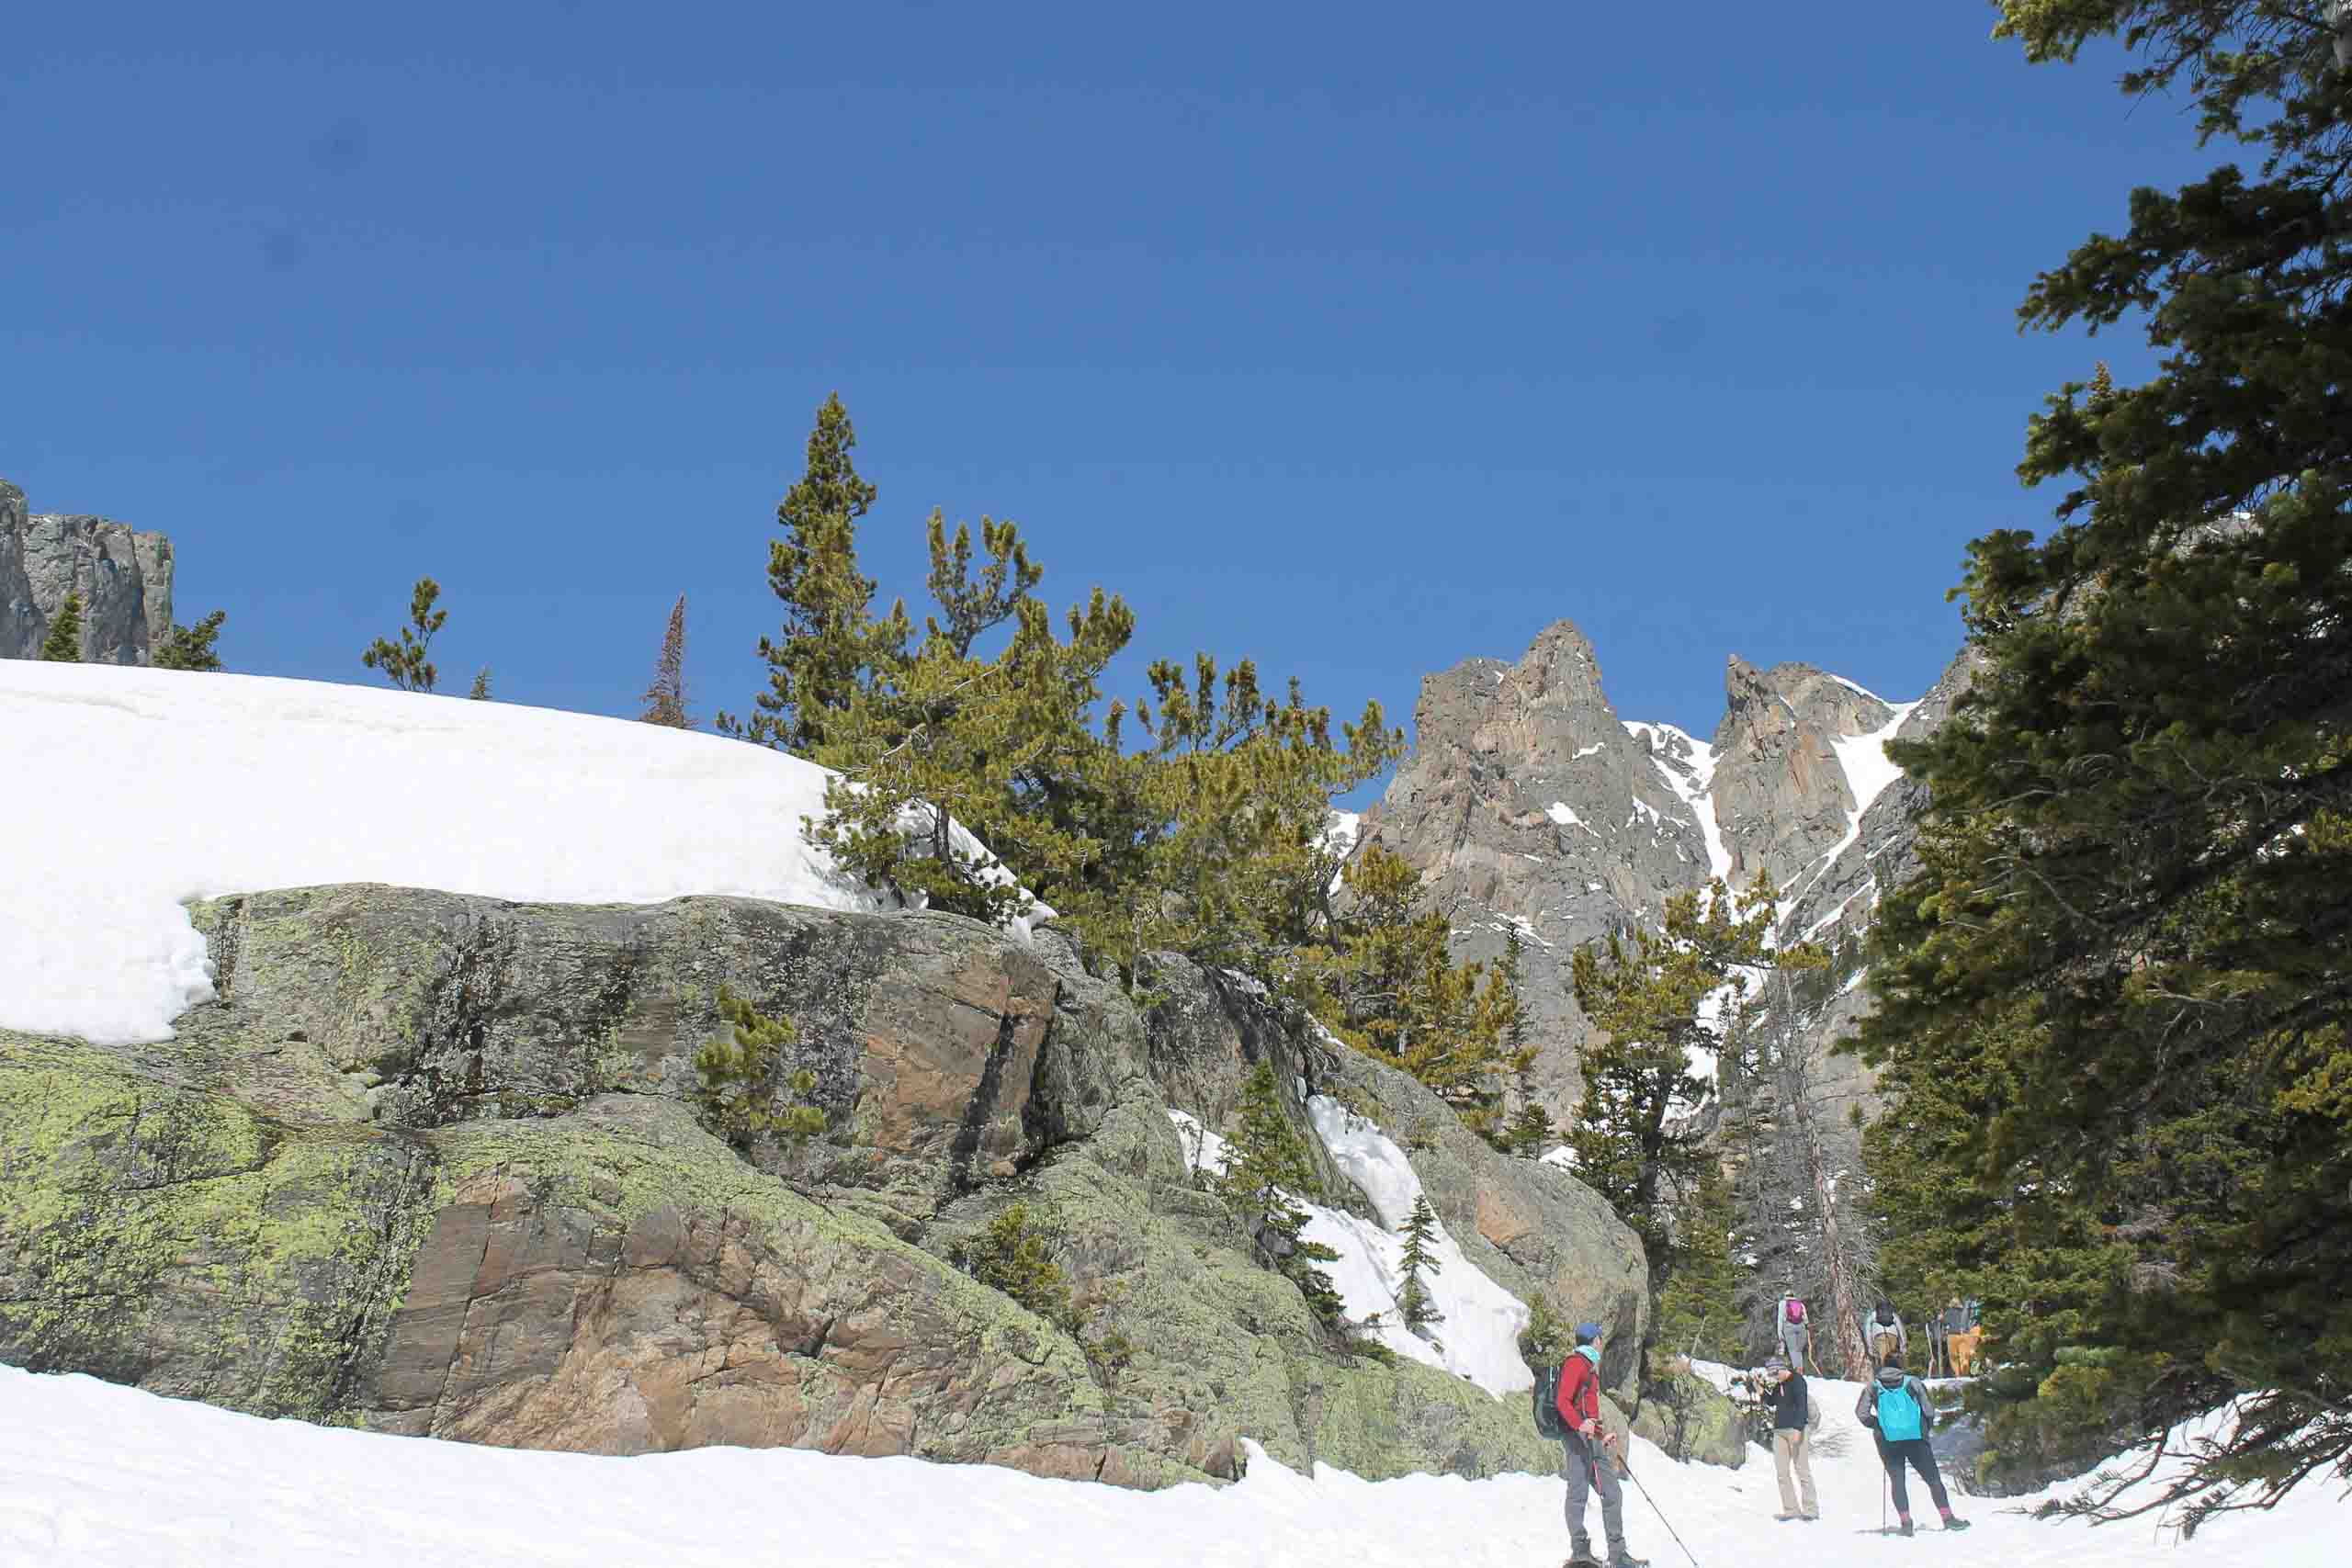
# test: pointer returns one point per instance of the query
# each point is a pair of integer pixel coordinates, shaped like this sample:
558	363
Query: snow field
100	1476
189	787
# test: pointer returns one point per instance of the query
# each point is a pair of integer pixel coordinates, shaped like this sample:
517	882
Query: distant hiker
1939	1346
1963	1334
1589	1449
1883	1332
1894	1406
1796	1339
1792	1414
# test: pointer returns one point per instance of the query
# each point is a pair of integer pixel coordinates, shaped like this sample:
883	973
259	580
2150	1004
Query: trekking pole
1660	1513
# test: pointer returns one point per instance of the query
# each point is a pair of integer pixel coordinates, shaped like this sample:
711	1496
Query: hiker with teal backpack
1568	1406
1894	1406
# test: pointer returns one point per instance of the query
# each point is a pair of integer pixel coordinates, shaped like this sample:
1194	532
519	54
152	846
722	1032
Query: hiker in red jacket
1591	1449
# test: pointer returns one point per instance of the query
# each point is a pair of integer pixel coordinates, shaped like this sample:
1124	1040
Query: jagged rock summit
1528	800
123	576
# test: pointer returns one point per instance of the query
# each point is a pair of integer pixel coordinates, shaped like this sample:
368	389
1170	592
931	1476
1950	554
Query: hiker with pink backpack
1796	1338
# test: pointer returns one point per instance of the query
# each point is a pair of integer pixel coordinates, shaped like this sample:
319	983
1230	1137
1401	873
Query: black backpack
1547	1404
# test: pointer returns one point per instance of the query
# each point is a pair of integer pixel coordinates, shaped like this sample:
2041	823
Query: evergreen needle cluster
1190	821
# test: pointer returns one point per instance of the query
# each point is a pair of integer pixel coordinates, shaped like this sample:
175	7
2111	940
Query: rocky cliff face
124	577
433	1165
1529	799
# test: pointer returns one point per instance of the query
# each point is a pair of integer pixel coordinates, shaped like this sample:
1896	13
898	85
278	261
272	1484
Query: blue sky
1358	339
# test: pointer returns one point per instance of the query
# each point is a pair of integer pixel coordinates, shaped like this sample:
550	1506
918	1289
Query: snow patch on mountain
1559	811
1690	781
1868	770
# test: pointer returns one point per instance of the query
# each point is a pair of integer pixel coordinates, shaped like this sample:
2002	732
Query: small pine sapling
1413	1302
64	644
404	664
735	1068
1013	1254
480	693
1266	1163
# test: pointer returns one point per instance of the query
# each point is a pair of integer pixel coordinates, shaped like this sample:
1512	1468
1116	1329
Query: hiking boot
1954	1522
1903	1528
1784	1518
1622	1558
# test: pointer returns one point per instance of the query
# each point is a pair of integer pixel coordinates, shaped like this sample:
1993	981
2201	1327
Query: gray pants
1588	1466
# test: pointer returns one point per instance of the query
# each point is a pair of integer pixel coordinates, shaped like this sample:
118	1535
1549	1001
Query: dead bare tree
1799	1185
665	699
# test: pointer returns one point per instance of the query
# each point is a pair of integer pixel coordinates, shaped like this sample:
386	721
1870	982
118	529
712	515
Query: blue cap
1588	1331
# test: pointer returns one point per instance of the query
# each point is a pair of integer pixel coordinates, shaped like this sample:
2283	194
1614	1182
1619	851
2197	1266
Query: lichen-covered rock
1691	1419
616	1281
932	1039
172	1239
124	577
435	1163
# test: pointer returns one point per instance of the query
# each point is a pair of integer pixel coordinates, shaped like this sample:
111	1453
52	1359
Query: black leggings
1921	1458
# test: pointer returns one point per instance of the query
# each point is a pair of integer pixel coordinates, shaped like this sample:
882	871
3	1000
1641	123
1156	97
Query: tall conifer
2115	997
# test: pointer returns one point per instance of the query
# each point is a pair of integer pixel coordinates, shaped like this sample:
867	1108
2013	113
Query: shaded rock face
435	1164
1835	905
124	578
1780	794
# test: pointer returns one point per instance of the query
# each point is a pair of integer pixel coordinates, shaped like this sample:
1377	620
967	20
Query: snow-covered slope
1478	1321
130	791
100	1476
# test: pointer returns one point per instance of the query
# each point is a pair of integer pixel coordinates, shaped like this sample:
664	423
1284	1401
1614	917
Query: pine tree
1419	1230
1384	981
1698	1306
1638	1138
2115	995
1266	1170
480	691
190	648
665	699
64	644
817	664
1202	836
404	662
